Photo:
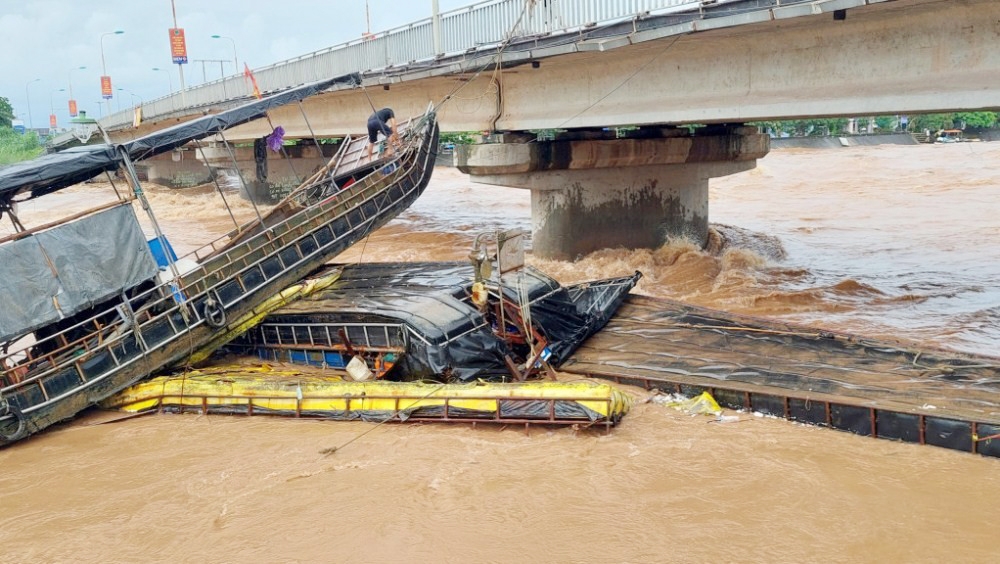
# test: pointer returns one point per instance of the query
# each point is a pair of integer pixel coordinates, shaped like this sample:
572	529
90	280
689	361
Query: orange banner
72	108
178	49
106	88
52	121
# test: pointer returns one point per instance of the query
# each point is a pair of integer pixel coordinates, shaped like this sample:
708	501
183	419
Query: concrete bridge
511	66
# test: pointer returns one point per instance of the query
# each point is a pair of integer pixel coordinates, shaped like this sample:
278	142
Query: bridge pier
594	192
275	174
177	169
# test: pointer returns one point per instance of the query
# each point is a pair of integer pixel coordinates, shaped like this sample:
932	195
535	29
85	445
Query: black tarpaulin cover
449	336
52	172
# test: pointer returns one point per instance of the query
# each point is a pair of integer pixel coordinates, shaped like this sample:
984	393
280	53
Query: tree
977	120
885	123
6	112
932	122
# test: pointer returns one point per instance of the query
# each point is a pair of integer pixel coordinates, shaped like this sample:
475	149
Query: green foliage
461	137
886	123
6	113
803	127
15	147
977	120
932	122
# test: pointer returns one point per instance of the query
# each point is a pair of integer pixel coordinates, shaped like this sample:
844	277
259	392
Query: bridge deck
875	388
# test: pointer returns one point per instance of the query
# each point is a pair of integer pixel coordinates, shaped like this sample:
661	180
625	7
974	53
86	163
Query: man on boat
382	121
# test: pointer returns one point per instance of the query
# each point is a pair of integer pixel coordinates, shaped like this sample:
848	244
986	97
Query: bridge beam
590	194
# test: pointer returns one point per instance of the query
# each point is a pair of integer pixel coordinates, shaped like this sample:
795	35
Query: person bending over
383	121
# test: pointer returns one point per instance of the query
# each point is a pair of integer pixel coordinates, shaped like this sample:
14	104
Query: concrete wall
835	142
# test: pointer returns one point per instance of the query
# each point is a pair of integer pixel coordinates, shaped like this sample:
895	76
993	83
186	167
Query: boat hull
226	286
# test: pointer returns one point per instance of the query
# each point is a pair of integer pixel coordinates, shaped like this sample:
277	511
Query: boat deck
888	389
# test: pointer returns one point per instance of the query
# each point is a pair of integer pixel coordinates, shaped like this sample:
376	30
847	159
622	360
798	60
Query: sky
49	40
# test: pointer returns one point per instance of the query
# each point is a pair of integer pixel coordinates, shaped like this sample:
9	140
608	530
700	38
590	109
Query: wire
622	83
330	450
495	61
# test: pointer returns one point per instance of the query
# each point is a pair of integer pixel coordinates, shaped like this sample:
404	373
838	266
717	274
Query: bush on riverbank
16	147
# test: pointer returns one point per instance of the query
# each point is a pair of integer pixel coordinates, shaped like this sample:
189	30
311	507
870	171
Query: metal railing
480	25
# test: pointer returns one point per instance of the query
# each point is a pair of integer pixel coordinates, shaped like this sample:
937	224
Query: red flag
248	74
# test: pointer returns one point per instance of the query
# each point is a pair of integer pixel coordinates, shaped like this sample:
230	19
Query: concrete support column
591	194
177	169
637	207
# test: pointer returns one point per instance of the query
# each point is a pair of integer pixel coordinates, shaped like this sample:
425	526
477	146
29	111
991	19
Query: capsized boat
417	321
266	390
91	306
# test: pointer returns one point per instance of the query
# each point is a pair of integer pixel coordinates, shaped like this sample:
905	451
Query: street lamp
72	100
52	107
133	94
104	68
28	100
170	81
236	61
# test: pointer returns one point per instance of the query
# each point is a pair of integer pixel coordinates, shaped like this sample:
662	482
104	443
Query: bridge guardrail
485	23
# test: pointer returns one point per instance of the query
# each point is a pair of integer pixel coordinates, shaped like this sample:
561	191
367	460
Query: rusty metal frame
828	407
447	416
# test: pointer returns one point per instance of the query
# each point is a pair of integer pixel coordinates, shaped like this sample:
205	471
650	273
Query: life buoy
215	314
21	429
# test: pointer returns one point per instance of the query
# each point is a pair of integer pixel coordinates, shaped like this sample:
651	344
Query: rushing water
890	240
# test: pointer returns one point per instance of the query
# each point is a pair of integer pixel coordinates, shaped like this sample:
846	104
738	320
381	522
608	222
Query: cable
623	83
330	450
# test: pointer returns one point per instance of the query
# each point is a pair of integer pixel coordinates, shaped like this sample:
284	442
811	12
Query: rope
496	59
623	83
330	450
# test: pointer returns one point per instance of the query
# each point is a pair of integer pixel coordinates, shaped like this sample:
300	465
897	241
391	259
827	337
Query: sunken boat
445	322
92	306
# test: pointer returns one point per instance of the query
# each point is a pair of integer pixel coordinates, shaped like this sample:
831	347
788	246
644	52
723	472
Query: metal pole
52	104
180	67
104	68
27	97
437	26
236	60
71	80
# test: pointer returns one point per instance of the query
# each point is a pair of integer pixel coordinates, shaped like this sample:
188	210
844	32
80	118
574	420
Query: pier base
590	194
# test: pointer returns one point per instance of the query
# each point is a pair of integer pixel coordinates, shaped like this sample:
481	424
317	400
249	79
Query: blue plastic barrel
156	248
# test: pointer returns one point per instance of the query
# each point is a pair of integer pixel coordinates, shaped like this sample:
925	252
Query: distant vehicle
949	136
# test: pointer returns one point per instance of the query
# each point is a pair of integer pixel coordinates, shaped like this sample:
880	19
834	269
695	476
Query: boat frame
163	326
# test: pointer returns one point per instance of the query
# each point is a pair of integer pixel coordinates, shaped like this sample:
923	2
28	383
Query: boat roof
55	171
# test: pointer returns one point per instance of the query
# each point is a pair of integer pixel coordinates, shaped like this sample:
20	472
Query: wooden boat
88	325
418	321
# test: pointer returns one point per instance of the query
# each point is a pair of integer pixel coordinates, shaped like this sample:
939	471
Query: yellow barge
272	391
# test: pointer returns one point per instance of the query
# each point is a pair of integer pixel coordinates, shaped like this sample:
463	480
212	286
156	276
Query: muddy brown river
889	241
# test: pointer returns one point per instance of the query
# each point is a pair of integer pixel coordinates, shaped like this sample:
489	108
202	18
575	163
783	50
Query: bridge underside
900	56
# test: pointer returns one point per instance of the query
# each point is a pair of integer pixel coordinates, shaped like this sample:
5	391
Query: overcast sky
50	39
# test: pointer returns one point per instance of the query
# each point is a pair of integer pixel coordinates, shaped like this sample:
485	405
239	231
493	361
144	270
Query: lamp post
104	69
236	61
28	100
72	101
170	81
133	94
52	107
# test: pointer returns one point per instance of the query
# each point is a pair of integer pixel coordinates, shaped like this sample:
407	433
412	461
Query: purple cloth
276	139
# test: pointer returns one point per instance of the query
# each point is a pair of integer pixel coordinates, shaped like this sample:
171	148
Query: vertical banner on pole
72	108
178	49
52	121
106	87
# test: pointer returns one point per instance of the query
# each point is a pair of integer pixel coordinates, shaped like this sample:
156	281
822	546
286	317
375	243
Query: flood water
891	241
